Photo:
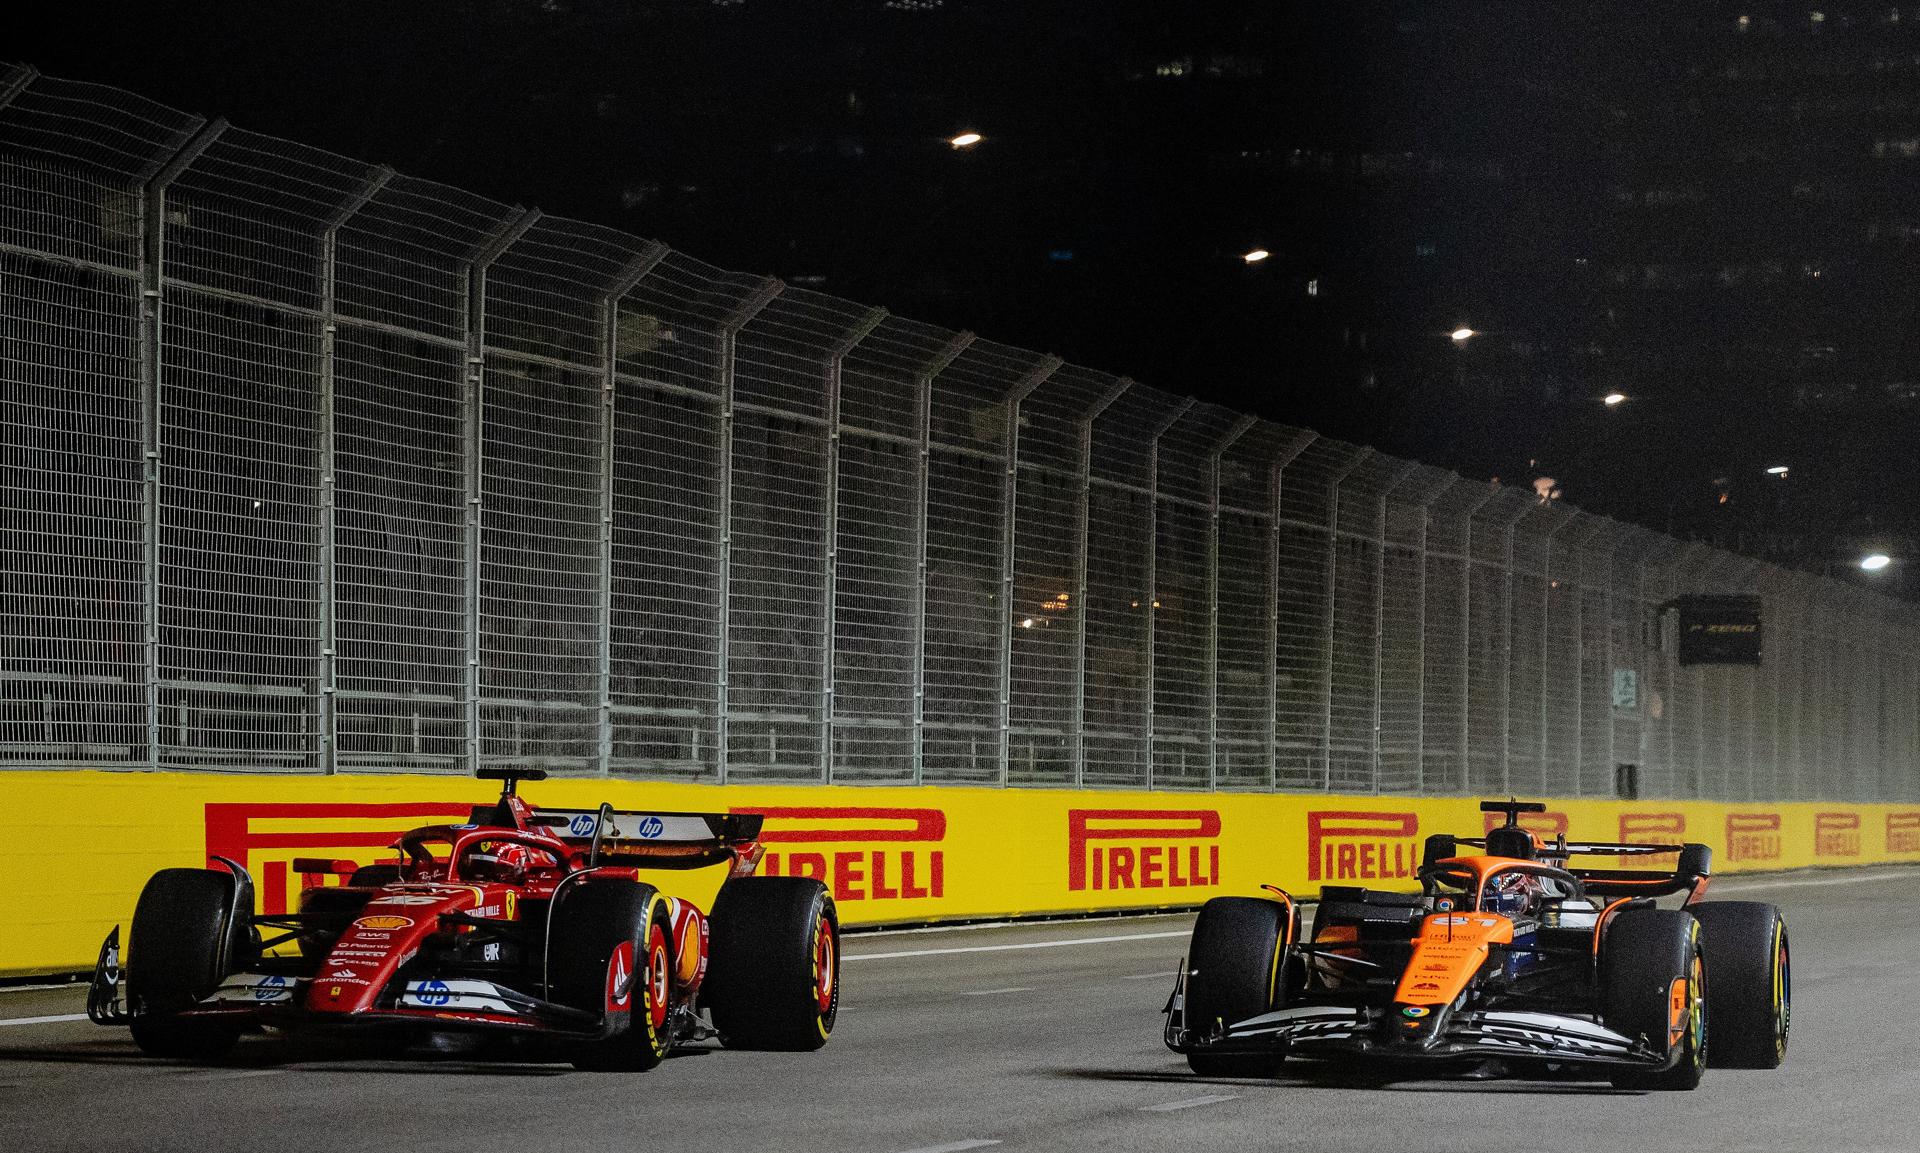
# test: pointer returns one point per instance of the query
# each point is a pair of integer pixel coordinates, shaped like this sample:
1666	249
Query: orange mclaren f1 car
1506	954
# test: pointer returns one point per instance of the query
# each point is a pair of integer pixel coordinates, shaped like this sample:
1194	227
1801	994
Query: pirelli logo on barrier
1836	834
1753	837
862	853
1653	829
266	837
1362	845
1903	832
1142	849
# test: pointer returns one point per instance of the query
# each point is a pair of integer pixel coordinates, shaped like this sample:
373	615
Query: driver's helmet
1512	893
506	861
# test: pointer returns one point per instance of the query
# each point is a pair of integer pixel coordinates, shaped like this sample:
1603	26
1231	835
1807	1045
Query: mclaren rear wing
656	840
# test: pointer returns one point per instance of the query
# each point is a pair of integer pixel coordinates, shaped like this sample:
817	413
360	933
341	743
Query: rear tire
1750	993
609	954
1647	960
773	978
1235	971
179	953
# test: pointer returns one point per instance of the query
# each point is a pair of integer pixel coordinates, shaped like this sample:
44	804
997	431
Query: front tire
773	980
182	929
609	954
1750	996
1653	983
1235	971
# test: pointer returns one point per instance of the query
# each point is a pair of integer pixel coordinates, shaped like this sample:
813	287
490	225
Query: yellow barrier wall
90	840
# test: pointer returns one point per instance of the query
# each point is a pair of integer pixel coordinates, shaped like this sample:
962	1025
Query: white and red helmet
504	861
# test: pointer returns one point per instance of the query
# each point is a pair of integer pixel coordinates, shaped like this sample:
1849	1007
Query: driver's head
1510	894
506	861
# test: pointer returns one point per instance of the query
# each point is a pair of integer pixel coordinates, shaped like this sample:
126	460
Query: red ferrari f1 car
526	921
1505	954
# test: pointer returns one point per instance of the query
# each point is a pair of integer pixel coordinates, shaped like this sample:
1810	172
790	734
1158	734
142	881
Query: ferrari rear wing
659	840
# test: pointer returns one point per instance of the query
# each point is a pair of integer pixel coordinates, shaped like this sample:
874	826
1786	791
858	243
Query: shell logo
383	922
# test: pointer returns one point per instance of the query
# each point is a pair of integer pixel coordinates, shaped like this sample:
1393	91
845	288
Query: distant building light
1745	22
1027	623
1817	17
1313	287
1461	335
1875	562
1613	398
966	140
1061	256
1256	256
1777	470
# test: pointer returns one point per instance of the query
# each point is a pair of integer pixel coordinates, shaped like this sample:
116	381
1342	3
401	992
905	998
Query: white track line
1012	948
1190	1103
997	992
955	1146
54	1020
1737	883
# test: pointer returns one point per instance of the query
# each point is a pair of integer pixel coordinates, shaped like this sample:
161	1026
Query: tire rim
657	975
823	966
1697	1008
1782	990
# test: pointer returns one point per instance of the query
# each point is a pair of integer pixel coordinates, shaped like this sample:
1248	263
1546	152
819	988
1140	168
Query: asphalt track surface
1028	1037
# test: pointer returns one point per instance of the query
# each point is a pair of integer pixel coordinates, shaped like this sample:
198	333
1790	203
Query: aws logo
866	854
1753	836
266	837
1345	845
1836	834
1903	832
1158	849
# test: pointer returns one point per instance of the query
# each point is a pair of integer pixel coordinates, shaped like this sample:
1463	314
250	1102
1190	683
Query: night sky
1678	207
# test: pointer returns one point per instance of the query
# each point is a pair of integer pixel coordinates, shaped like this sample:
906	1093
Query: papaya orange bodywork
1447	954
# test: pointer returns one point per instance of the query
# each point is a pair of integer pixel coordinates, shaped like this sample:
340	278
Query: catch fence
309	466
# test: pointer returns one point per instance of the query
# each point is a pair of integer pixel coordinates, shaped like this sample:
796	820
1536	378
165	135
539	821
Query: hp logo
652	827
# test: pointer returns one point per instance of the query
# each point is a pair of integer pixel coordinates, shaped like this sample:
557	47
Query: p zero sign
1719	630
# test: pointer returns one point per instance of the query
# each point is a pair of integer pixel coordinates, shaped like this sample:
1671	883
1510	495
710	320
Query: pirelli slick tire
1749	982
773	977
1235	971
184	927
609	954
1653	985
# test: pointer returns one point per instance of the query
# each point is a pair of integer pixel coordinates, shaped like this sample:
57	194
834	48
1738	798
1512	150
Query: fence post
1420	639
1275	474
1151	600
329	463
730	327
1009	495
623	282
1082	527
923	456
1466	636
1214	455
829	560
1327	615
1388	483
474	435
153	218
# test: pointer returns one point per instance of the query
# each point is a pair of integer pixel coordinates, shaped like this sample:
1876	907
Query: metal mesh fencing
310	466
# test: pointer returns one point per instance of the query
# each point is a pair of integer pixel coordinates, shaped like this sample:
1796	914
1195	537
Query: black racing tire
773	975
610	953
1749	982
1235	971
178	954
1643	955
